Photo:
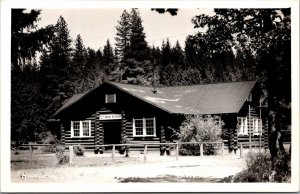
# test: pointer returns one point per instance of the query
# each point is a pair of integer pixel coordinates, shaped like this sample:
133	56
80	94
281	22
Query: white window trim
81	129
144	127
115	98
257	123
243	130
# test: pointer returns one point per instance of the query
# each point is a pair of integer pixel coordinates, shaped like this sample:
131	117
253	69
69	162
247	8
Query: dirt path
206	167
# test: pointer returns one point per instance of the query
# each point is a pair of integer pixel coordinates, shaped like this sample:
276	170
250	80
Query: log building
114	113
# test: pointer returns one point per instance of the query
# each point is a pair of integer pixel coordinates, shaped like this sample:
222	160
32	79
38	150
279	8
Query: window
110	98
243	123
81	128
144	127
254	125
257	125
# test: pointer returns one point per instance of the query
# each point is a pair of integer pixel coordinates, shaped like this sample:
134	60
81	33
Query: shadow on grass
171	179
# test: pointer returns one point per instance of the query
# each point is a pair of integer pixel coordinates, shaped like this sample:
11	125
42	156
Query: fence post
201	149
222	148
241	150
113	153
145	153
71	155
30	155
177	151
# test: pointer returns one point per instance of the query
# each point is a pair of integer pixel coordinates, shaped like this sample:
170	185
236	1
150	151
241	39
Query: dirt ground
156	168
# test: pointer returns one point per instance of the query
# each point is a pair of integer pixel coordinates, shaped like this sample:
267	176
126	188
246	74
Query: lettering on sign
110	116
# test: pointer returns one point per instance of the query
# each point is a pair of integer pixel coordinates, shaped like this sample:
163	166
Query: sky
97	25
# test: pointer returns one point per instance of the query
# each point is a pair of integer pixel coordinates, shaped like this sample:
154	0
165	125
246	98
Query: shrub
260	168
79	150
198	128
48	138
60	155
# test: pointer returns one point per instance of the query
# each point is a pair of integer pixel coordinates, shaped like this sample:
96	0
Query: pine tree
60	49
108	57
138	46
79	57
26	40
57	74
166	53
123	36
177	55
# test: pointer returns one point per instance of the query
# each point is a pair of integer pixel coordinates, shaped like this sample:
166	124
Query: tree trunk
274	130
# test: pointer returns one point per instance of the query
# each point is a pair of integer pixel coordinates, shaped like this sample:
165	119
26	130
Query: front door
112	132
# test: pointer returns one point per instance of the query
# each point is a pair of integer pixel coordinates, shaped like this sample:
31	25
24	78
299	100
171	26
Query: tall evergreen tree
79	57
123	36
56	76
28	117
108	57
166	53
177	55
26	39
138	46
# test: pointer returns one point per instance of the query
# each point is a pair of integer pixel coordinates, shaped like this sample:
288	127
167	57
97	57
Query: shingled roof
217	98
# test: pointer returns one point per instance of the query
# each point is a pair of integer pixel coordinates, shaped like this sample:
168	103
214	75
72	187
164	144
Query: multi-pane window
246	126
110	98
138	123
149	126
86	128
76	128
257	125
144	127
81	128
243	123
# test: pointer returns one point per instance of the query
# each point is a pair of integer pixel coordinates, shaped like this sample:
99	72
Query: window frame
81	128
257	126
106	98
243	128
144	134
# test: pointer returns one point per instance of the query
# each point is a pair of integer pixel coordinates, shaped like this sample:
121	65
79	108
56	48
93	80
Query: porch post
123	134
231	139
235	140
62	131
98	133
265	133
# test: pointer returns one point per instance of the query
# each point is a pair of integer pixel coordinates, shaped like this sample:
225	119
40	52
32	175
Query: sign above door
110	116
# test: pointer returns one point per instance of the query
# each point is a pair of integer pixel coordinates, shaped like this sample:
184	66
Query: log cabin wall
255	132
79	140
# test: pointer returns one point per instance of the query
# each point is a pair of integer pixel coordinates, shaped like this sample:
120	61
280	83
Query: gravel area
135	167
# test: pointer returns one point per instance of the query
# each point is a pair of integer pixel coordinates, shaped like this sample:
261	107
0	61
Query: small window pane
76	128
149	126
85	128
139	126
110	98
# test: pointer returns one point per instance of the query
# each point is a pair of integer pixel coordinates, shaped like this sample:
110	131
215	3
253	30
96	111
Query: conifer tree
56	76
138	45
123	36
108	57
177	55
79	57
166	53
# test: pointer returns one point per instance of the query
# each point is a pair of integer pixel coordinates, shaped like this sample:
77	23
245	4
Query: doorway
112	132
